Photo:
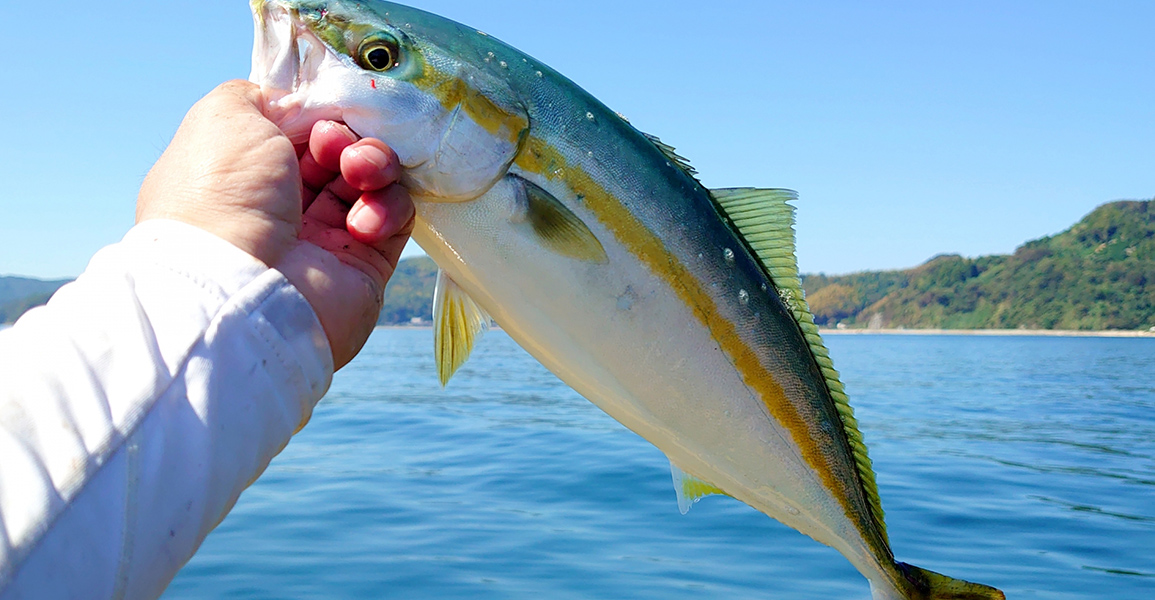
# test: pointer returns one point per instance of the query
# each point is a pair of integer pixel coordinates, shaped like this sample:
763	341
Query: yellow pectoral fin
458	322
690	489
556	227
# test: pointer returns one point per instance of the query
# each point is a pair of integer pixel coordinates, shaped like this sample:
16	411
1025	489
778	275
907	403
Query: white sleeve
138	404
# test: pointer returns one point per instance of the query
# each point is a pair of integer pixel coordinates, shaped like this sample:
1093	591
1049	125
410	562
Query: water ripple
1019	462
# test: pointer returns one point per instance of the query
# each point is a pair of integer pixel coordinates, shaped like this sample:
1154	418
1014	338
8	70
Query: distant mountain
18	294
1097	275
16	288
409	294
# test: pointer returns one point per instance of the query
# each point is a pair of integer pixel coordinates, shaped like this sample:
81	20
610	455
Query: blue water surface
1024	463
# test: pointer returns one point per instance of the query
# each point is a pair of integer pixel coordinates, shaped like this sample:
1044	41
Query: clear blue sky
910	128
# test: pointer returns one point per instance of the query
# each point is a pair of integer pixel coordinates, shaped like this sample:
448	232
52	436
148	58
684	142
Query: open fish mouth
276	55
287	58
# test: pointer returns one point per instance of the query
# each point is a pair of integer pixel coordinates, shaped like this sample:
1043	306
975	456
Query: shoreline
996	332
929	332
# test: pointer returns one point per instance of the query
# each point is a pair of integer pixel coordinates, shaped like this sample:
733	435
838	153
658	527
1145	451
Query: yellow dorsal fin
690	489
764	218
458	322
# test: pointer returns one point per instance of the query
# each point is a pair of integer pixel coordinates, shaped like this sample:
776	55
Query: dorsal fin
671	154
458	322
765	220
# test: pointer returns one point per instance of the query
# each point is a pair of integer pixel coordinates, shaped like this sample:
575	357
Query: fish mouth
276	57
286	59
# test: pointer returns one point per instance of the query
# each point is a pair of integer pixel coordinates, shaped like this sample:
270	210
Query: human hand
329	215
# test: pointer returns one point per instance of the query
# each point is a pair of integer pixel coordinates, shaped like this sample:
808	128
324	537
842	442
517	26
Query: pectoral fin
690	489
555	226
458	322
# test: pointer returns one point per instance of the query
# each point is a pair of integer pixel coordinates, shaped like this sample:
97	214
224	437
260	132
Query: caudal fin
929	585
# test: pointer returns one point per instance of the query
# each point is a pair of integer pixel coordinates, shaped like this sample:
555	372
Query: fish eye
378	54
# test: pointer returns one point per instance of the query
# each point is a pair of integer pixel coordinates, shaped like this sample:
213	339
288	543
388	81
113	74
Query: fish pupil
379	58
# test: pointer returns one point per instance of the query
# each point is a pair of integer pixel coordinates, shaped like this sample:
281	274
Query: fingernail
367	219
371	155
334	126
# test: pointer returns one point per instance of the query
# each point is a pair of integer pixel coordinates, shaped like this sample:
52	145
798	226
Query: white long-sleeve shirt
138	404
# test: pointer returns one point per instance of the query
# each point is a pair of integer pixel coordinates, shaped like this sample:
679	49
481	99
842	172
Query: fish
676	309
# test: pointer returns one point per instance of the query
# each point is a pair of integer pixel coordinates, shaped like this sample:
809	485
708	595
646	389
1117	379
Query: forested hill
409	294
18	294
1097	275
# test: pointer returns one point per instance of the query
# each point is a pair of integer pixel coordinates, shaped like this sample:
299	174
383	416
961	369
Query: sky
909	128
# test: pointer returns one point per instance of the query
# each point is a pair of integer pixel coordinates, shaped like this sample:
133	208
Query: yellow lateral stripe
538	156
765	219
452	92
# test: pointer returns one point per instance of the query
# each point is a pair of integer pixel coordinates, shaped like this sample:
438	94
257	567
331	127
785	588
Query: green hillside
18	294
17	288
1097	275
409	294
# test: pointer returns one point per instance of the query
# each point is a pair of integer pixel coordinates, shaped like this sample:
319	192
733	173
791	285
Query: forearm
137	406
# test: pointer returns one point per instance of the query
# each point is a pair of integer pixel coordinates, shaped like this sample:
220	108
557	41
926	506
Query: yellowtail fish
676	309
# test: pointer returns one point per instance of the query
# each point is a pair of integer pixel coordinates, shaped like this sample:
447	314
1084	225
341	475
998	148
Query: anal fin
690	489
458	322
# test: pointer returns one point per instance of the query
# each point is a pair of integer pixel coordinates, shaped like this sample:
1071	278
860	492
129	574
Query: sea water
1024	463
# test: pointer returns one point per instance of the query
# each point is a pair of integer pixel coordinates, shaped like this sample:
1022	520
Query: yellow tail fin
934	586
